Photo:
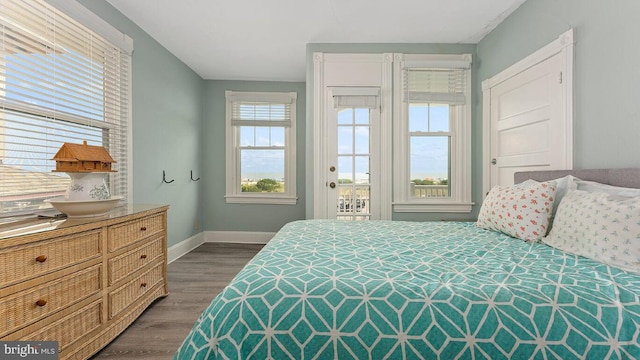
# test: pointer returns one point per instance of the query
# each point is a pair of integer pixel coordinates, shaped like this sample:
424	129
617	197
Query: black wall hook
164	179
192	179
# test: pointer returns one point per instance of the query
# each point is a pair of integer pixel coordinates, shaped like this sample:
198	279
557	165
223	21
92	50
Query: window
59	82
261	147
432	158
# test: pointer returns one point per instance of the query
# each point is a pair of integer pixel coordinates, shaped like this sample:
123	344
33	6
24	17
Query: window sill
261	199
433	207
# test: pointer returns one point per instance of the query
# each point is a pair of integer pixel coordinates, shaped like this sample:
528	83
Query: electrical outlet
196	225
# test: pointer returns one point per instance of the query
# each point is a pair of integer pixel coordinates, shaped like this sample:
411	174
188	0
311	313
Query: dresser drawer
121	298
30	305
29	261
65	330
130	232
124	265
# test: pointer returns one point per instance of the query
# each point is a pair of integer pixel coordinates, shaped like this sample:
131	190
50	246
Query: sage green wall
167	119
178	126
178	118
220	216
399	48
606	73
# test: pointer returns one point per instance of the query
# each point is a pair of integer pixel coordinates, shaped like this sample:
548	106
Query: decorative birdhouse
83	158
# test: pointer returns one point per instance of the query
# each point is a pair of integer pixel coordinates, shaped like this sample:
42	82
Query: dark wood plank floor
194	280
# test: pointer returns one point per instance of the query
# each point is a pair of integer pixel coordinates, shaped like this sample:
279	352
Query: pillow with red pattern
522	211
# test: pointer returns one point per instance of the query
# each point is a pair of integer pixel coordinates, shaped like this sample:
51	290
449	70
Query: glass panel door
353	164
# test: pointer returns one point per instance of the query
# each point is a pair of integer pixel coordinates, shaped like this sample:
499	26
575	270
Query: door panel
511	144
527	126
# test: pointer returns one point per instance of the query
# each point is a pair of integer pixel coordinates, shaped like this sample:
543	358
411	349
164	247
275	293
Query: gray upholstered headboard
629	177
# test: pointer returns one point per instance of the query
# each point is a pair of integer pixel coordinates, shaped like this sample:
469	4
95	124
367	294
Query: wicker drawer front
126	295
127	233
129	262
72	327
44	257
30	305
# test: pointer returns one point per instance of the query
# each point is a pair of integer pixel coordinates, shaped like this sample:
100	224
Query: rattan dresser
81	282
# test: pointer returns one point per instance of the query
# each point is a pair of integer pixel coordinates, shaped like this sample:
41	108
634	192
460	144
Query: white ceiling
266	40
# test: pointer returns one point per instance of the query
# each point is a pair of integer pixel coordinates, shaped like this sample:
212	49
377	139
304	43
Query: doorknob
332	185
494	161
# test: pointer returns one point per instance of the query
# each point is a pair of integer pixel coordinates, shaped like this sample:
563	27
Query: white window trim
234	195
81	14
344	64
460	199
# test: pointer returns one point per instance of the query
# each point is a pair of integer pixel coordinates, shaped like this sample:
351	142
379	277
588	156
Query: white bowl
84	208
88	186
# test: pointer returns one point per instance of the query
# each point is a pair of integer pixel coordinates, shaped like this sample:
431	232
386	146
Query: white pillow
568	182
592	186
562	186
522	211
599	226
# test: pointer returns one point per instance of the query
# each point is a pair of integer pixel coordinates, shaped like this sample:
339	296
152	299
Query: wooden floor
194	280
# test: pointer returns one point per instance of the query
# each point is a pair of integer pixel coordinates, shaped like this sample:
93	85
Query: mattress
328	289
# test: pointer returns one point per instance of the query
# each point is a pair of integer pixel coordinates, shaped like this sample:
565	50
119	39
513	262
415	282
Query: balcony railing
422	191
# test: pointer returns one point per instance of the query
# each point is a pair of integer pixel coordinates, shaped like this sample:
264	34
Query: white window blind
444	86
59	82
360	97
250	113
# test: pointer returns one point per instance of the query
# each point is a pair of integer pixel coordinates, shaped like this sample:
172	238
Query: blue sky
32	141
429	154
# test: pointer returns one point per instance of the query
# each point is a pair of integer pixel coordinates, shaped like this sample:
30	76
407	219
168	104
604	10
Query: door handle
494	161
332	185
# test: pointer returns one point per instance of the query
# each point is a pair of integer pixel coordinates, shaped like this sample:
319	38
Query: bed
324	289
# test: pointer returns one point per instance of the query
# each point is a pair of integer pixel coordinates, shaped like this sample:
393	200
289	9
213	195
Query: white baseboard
238	237
183	247
233	237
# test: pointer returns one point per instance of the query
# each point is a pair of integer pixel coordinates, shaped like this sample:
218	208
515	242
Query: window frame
234	194
450	134
459	200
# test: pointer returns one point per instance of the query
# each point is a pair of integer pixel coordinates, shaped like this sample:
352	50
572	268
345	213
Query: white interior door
528	129
528	114
353	164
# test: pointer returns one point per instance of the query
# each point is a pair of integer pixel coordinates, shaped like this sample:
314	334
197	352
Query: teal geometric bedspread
324	289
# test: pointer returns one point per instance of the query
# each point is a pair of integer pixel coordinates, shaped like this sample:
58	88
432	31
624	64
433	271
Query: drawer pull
144	228
143	256
143	285
41	258
41	302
